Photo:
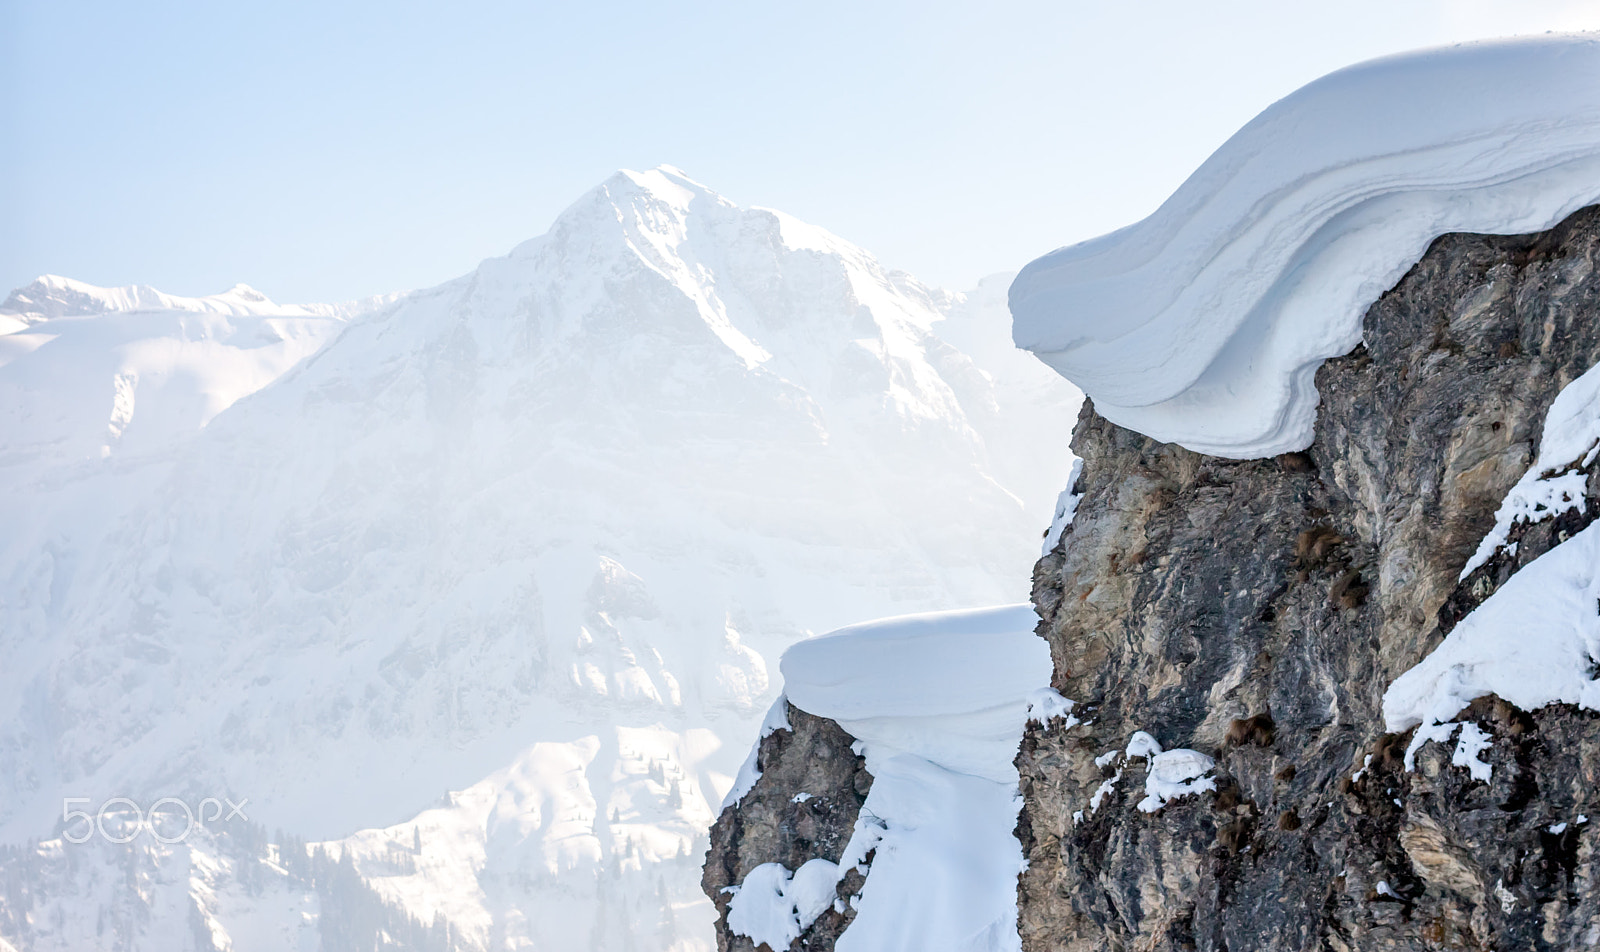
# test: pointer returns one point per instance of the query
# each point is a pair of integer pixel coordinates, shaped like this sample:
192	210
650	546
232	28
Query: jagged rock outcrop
1257	610
803	807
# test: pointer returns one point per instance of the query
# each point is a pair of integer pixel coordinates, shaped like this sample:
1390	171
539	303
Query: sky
323	151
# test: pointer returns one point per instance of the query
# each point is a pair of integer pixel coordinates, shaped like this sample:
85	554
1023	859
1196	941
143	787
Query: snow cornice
1205	323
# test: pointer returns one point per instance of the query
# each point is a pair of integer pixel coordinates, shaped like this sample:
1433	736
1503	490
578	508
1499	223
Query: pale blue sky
320	151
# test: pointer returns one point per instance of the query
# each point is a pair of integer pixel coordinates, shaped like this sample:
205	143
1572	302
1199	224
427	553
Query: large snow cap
1204	324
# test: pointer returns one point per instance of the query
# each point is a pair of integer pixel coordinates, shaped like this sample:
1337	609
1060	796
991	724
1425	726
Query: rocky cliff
803	807
1256	611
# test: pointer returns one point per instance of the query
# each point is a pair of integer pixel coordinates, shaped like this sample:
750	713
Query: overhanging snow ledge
1205	323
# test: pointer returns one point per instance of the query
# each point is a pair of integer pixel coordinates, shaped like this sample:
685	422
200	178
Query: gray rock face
1256	611
773	824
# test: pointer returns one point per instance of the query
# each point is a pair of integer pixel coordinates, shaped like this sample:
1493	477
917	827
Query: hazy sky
321	151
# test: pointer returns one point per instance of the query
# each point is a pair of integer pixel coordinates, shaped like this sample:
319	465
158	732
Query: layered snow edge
1204	324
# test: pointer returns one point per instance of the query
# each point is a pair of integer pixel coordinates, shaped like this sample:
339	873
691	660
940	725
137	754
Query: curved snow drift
1204	324
949	687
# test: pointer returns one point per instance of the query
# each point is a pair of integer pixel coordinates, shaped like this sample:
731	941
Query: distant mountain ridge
52	296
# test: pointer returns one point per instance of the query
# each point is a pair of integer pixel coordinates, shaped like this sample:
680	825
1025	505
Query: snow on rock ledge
1536	640
1555	482
1171	773
938	703
1205	323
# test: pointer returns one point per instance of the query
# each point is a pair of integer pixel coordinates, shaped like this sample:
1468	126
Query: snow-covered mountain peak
652	271
657	201
51	296
667	183
653	210
244	292
535	535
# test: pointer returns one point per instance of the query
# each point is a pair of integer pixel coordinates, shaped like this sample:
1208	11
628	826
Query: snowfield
1205	323
480	586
